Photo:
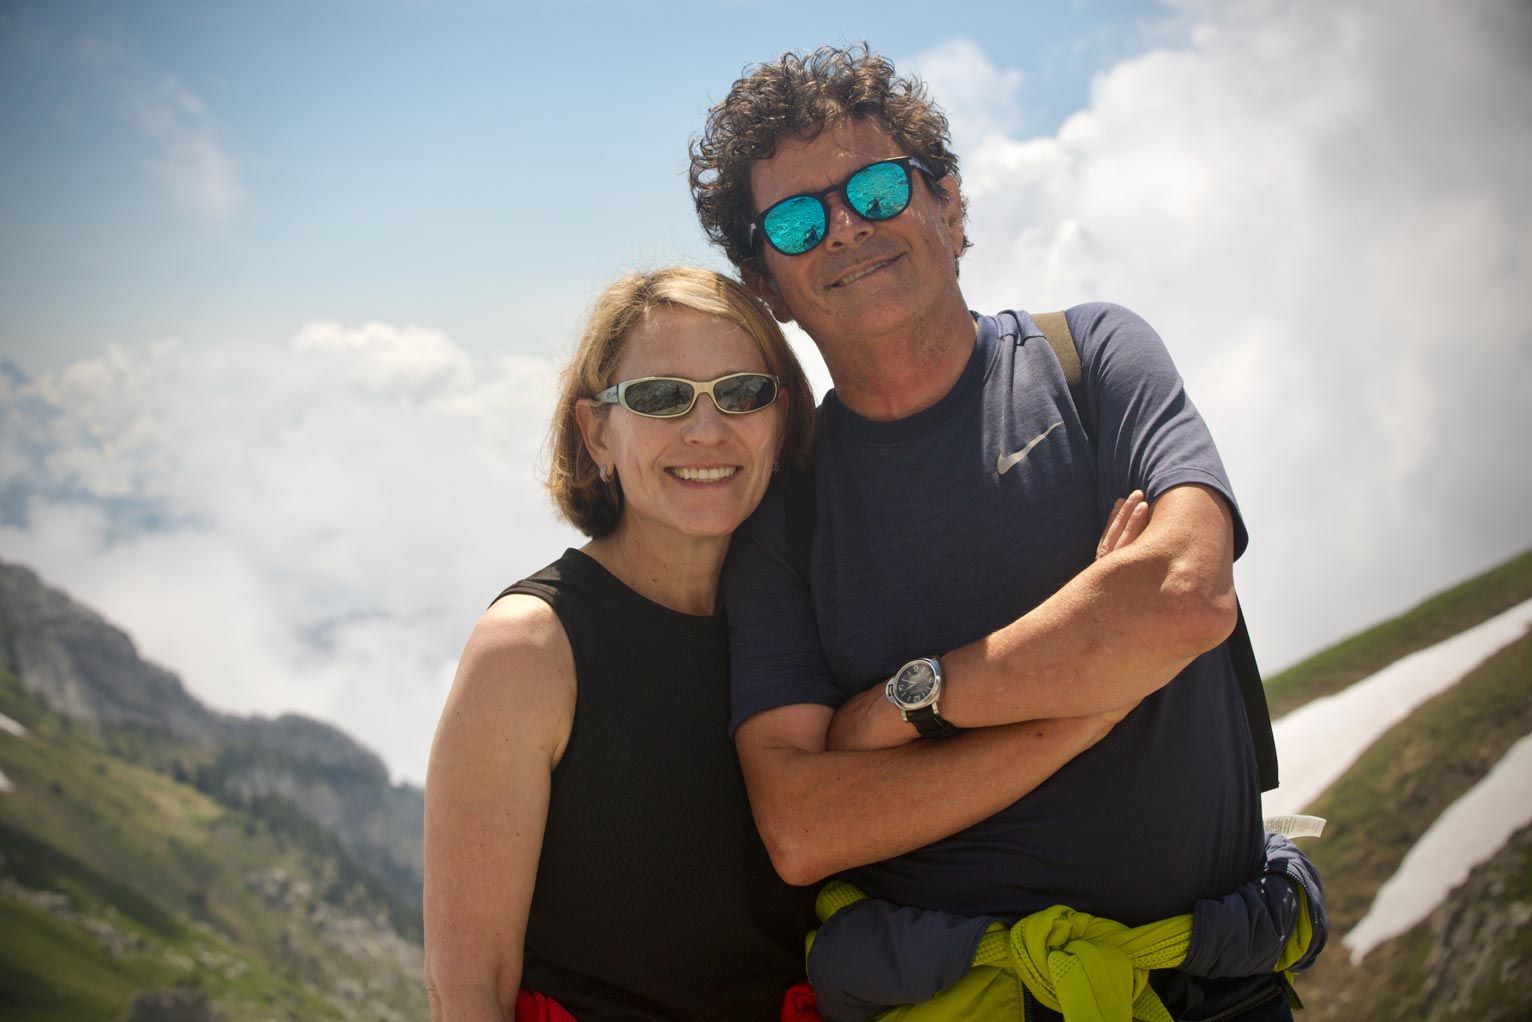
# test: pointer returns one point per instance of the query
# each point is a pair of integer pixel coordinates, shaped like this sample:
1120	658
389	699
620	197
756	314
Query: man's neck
894	376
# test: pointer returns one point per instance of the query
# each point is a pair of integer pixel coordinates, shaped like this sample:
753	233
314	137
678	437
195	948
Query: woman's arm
502	731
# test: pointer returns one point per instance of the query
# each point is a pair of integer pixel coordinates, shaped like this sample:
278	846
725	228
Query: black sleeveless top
655	898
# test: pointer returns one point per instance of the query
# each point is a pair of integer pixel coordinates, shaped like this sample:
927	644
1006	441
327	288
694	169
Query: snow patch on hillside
10	727
1471	831
1318	743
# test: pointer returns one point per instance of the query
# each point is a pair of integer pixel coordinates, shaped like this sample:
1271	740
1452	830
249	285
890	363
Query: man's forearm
821	812
1118	631
1121	629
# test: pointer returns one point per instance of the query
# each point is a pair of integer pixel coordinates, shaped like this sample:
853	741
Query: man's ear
761	285
952	212
593	431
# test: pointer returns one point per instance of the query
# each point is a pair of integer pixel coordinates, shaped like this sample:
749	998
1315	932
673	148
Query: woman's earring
605	473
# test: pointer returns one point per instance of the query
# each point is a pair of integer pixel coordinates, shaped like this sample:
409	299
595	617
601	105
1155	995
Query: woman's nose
704	421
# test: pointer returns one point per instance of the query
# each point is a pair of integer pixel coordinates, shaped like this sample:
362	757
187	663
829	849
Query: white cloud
191	162
188	156
382	357
1322	207
979	99
307	526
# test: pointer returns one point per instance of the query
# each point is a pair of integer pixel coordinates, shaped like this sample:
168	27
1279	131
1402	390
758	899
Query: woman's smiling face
700	474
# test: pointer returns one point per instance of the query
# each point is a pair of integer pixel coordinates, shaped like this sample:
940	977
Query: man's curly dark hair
796	97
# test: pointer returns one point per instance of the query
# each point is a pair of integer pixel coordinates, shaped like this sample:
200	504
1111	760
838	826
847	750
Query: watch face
914	684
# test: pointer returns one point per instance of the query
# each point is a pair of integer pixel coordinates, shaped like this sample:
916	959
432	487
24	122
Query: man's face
866	279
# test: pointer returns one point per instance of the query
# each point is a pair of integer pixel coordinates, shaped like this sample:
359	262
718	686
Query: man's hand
1125	524
869	721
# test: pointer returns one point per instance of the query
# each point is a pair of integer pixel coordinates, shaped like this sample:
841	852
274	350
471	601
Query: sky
284	288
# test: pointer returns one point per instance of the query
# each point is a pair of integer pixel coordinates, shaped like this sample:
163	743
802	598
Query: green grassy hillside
119	878
1378	811
1441	617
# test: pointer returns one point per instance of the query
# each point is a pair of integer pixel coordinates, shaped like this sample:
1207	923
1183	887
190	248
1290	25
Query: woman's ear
762	287
593	430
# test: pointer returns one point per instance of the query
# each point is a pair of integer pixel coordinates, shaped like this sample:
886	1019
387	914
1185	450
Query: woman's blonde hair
594	506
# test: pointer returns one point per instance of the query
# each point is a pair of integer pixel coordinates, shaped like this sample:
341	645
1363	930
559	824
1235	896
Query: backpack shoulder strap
1253	693
1055	328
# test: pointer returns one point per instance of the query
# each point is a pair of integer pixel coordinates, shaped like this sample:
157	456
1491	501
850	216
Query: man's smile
862	271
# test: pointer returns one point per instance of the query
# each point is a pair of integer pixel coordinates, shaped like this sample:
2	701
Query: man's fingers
1138	520
1129	516
1115	523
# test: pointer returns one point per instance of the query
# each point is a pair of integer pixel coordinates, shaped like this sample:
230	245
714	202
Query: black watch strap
930	723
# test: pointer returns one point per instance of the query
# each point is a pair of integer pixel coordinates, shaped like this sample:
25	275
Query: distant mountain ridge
89	671
162	862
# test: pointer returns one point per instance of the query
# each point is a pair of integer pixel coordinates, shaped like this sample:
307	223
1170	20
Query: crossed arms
830	791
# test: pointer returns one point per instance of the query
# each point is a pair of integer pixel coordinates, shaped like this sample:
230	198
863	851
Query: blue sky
284	288
478	166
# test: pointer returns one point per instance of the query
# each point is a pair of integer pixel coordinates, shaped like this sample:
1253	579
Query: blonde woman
587	831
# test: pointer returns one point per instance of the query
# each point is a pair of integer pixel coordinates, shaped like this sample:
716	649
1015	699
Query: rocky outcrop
89	671
338	784
185	1004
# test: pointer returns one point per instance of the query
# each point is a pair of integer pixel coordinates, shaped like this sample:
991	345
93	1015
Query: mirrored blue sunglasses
878	191
665	397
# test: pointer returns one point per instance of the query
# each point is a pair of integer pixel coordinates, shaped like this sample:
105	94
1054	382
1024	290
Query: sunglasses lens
880	191
745	392
795	225
659	397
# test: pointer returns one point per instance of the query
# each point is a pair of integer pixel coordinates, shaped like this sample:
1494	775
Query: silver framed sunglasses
667	397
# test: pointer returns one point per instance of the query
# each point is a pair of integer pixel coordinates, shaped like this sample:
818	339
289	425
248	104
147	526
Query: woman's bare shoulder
517	670
518	625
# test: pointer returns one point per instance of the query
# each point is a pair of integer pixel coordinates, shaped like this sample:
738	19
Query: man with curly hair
954	587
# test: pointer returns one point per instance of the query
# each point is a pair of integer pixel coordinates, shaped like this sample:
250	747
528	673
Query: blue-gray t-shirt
932	532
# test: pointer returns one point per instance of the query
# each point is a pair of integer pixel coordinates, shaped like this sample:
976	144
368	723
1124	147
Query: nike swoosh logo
1006	462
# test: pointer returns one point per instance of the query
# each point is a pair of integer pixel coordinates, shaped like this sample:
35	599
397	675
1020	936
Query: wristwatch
914	689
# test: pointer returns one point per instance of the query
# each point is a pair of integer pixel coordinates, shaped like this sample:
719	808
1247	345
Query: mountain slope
90	673
1440	617
119	880
1444	967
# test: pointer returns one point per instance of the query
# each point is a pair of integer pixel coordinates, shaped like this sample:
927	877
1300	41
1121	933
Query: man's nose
845	226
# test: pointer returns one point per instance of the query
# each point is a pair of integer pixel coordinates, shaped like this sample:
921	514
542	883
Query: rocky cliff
89	672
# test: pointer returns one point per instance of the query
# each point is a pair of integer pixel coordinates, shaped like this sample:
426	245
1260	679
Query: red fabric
534	1007
799	1004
